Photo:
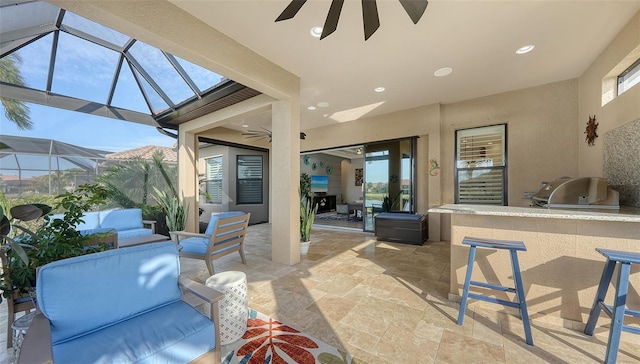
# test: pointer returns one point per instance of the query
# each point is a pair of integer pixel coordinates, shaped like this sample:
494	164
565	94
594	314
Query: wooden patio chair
224	235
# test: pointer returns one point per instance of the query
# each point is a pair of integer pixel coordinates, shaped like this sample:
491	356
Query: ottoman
233	307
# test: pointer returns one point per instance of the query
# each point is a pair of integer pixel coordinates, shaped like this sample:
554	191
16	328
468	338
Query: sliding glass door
389	179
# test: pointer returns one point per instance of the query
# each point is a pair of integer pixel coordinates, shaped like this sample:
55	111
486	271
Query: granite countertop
624	214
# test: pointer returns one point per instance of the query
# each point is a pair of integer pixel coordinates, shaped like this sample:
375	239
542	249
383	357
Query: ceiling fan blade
331	23
370	17
415	8
291	10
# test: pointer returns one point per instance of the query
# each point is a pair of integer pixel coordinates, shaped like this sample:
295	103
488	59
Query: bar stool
618	310
513	247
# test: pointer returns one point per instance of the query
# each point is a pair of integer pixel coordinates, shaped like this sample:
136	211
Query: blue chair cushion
83	294
214	218
124	219
194	245
91	220
199	246
133	233
174	333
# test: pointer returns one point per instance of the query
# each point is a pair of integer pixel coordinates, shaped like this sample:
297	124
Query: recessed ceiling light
245	125
323	104
525	49
378	89
316	31
443	72
311	108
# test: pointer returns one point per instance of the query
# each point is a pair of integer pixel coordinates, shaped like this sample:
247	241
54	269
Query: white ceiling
478	39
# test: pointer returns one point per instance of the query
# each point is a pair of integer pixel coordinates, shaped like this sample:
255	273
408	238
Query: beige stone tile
388	303
400	345
349	269
457	348
365	323
332	307
487	329
339	284
389	312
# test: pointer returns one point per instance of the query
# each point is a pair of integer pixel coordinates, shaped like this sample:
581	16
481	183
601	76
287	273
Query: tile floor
387	303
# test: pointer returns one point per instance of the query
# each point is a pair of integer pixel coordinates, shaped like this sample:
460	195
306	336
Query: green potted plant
388	202
176	213
307	212
50	240
307	216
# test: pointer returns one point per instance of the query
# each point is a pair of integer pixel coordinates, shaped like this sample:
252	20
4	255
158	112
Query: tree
15	110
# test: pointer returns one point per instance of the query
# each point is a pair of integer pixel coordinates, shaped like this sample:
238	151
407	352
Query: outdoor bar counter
560	269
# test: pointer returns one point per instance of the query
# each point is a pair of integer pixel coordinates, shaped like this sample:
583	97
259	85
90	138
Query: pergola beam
70	103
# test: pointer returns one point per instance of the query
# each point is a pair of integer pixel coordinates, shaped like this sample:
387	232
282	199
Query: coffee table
154	238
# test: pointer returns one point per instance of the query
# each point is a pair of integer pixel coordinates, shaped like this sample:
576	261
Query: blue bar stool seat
619	309
521	304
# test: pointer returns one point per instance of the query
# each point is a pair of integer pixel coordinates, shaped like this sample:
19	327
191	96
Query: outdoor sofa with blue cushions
224	235
128	223
121	306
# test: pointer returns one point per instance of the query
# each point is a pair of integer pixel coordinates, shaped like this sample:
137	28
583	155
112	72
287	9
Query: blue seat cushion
197	245
124	219
133	233
91	220
175	333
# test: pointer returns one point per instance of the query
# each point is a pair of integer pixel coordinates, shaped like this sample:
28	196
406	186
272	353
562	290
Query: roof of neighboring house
9	177
146	153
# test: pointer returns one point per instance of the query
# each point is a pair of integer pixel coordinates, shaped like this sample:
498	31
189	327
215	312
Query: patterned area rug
268	341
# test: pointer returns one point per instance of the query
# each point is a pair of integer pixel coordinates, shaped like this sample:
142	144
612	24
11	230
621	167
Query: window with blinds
249	179
481	176
214	180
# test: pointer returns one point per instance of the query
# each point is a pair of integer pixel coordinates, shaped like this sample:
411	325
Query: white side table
233	307
20	327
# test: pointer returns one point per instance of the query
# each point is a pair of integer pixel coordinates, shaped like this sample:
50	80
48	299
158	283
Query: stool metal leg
524	313
618	313
467	282
607	273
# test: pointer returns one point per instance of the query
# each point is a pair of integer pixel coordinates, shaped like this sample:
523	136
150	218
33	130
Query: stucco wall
322	162
541	138
623	109
351	192
259	212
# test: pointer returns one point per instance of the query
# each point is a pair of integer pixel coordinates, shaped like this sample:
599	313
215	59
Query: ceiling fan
414	8
264	134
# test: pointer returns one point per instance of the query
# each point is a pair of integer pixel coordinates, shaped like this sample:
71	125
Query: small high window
629	78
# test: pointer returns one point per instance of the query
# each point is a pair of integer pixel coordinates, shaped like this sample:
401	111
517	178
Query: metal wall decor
592	126
414	8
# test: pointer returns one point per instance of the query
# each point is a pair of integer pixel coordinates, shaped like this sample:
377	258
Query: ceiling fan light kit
370	19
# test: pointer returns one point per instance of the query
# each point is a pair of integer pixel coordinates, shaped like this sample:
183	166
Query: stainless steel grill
581	193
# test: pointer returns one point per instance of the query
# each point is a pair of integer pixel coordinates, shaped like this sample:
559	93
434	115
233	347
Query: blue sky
85	70
86	130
